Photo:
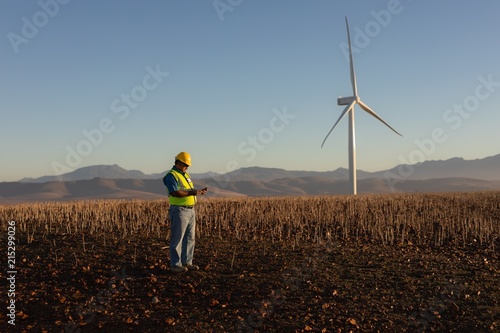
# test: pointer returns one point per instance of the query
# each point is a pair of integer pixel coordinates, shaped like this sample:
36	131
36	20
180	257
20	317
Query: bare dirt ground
75	284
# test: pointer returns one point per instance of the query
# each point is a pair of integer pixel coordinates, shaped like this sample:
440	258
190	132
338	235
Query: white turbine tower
351	102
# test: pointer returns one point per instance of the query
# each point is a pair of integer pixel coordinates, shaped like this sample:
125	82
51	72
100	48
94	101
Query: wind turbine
351	102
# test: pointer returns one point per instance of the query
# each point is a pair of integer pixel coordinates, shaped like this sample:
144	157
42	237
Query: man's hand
198	192
182	193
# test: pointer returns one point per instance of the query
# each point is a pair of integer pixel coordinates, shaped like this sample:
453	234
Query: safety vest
185	184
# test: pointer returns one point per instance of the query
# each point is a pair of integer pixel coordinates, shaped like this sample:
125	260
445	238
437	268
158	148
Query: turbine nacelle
346	100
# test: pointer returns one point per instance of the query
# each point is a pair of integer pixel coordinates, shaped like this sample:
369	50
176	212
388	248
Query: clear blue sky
239	83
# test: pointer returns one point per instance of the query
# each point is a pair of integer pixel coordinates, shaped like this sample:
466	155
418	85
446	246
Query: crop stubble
414	262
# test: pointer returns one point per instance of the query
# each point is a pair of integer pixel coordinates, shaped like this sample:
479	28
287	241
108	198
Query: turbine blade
346	110
351	63
370	111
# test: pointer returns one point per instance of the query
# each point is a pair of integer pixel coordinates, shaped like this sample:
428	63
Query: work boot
178	270
191	267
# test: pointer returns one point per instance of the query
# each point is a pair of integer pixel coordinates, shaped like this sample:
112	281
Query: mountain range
114	182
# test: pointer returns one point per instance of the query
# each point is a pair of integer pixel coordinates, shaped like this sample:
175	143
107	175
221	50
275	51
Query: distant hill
486	168
114	182
97	188
96	171
101	188
265	174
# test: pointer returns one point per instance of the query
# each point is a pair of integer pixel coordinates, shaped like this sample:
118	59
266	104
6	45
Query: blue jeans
182	239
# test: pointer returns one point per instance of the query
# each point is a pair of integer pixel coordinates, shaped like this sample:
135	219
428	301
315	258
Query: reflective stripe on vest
185	184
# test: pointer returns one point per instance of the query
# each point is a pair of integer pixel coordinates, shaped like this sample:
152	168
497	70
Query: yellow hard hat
184	158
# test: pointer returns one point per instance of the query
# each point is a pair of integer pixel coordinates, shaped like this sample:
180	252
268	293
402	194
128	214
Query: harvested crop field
386	263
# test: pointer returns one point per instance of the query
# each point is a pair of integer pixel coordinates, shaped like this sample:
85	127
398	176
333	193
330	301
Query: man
182	198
